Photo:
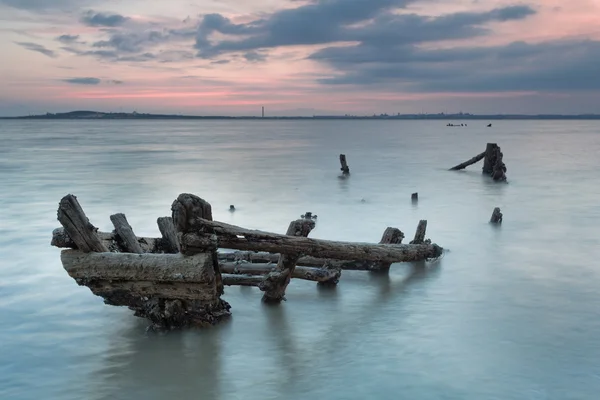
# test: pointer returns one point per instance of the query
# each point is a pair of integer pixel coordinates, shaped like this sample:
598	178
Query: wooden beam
169	241
78	226
420	232
125	232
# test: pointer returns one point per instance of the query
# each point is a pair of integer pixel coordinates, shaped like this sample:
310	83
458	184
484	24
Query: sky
300	57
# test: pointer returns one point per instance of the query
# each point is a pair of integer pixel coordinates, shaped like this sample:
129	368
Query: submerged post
390	236
277	281
496	216
345	169
420	233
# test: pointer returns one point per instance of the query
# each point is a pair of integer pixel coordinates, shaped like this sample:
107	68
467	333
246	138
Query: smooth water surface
509	312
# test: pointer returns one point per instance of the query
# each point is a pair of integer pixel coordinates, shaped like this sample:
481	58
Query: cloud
83	81
328	21
41	5
92	18
67	38
116	82
37	48
253	56
550	66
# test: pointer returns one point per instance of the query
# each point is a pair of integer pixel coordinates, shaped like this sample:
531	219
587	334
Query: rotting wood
316	274
306	261
242	280
420	232
125	233
414	197
234	237
489	158
345	169
169	241
62	240
390	236
171	290
276	282
185	209
78	226
472	161
496	216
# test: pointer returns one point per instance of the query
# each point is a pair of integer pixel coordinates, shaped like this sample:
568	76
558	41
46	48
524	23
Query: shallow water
508	313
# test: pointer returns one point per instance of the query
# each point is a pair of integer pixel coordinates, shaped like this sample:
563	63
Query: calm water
508	313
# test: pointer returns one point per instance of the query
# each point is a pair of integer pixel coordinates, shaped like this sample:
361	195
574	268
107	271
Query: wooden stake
472	161
390	236
496	216
277	281
345	169
420	233
78	226
169	241
125	232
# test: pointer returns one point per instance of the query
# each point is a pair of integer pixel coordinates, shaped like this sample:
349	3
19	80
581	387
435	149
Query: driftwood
242	280
276	282
78	226
264	257
234	237
496	216
472	161
390	236
169	242
110	240
420	233
125	233
345	169
169	289
492	162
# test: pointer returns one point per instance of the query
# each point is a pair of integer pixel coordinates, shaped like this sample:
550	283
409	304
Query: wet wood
242	280
345	169
186	208
276	282
61	239
171	290
169	241
496	216
125	233
490	158
472	161
414	197
234	237
316	274
420	233
263	257
78	226
390	236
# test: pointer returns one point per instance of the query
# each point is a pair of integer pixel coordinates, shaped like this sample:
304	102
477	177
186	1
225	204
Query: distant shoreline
93	115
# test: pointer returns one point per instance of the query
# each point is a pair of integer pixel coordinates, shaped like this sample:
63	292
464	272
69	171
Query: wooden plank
169	243
78	226
125	232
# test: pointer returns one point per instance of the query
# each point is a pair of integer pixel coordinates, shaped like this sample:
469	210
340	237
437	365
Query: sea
509	311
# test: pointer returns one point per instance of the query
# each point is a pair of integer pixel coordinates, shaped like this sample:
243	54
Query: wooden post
125	232
414	197
169	242
186	210
315	274
499	170
420	233
277	281
345	169
489	158
390	236
78	226
496	216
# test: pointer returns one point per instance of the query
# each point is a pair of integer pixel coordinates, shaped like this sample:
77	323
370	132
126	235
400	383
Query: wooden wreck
493	164
177	280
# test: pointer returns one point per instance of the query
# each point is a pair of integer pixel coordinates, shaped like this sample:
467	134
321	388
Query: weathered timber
169	241
316	274
242	280
171	290
264	257
390	236
188	207
61	239
499	170
125	234
345	169
78	226
276	282
185	210
496	216
472	161
234	237
420	233
490	158
414	197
